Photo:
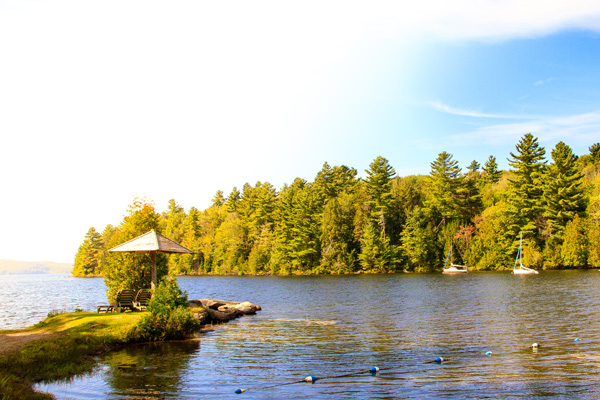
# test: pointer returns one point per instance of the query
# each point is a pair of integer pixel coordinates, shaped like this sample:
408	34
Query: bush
169	317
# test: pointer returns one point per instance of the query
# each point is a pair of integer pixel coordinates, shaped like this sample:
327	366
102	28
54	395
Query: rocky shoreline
218	311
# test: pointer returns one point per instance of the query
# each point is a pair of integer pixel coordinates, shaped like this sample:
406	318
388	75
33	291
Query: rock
210	310
246	308
202	316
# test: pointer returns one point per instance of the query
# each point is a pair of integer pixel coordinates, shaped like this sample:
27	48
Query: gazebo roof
151	241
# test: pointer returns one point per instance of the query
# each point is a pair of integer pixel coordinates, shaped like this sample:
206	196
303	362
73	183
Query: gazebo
151	242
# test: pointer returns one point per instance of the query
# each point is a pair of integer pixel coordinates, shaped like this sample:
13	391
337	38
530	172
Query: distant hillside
11	267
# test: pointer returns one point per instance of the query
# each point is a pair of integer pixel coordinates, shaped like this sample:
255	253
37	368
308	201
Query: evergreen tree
88	255
297	246
563	192
419	242
338	247
445	187
376	254
172	221
232	200
330	182
191	235
492	174
595	152
474	167
218	200
379	184
525	188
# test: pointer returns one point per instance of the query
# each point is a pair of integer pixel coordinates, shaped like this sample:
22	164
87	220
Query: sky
105	101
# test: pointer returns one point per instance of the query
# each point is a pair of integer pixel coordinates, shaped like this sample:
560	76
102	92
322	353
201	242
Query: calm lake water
333	325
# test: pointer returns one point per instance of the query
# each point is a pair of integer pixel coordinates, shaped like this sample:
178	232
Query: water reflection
146	371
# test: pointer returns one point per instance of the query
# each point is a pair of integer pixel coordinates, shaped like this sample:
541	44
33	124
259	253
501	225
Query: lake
334	325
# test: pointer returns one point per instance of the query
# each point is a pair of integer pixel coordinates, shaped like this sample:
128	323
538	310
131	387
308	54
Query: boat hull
520	271
453	270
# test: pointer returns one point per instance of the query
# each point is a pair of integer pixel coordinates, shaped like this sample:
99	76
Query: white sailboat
453	268
521	269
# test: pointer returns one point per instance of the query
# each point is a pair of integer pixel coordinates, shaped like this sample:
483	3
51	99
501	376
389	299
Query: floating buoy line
312	379
373	371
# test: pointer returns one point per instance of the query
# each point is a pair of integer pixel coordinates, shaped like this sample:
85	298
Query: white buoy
310	379
535	345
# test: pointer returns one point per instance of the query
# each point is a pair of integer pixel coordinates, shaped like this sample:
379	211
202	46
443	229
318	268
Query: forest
382	223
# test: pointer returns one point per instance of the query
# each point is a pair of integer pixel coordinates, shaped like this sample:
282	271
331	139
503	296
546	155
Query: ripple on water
324	326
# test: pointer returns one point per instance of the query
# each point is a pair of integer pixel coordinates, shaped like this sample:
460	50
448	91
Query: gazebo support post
154	281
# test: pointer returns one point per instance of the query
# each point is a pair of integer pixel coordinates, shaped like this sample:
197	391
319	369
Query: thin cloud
472	113
579	128
542	82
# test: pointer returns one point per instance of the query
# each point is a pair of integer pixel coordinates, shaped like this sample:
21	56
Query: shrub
169	317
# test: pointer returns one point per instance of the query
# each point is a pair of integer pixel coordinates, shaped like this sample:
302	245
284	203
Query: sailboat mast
521	249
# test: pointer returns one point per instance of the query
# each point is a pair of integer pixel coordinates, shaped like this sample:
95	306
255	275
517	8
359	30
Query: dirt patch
10	342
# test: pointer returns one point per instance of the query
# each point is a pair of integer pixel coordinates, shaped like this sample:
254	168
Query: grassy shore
58	347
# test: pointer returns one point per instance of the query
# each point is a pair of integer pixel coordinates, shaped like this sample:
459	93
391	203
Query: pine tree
338	246
595	152
379	185
218	200
563	193
232	200
474	167
492	175
419	242
525	188
88	255
445	187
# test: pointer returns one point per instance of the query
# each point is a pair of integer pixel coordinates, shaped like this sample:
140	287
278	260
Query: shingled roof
151	241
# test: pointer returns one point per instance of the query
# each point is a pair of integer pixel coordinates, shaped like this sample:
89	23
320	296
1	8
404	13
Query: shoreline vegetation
380	223
66	345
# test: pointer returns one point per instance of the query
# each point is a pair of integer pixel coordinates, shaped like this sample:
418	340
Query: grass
78	337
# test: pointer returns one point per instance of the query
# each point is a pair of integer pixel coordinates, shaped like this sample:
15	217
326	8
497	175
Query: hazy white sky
103	101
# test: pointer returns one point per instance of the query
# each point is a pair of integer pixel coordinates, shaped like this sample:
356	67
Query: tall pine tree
525	188
563	192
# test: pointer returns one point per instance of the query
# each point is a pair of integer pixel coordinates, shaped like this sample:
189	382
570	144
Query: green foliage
446	188
595	152
133	270
575	245
337	239
419	242
492	174
87	259
378	186
563	192
525	188
169	318
488	250
386	223
593	238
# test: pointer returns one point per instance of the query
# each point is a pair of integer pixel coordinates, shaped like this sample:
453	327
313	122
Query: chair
142	298
124	300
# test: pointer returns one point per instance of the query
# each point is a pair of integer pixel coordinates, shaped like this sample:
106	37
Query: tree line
382	223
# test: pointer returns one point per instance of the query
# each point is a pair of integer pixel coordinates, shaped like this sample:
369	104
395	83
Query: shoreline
66	345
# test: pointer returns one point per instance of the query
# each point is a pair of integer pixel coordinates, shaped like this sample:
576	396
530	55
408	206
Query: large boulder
221	311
